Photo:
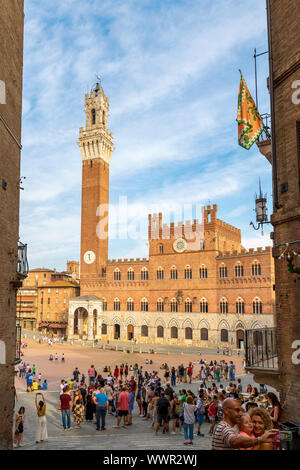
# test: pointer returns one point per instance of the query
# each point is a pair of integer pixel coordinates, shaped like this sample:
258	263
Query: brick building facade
284	47
199	286
11	70
43	300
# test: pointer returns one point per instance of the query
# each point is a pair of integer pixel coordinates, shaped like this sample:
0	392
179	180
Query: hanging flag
250	124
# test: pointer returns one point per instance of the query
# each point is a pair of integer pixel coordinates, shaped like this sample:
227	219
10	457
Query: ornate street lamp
261	210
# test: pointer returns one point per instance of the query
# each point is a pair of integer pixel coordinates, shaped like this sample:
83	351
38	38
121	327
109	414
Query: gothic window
257	306
104	329
223	272
160	332
204	334
188	272
117	275
130	274
203	272
104	305
130	305
117	305
256	269
144	305
239	306
223	306
203	306
224	336
188	306
239	270
160	305
161	249
160	274
174	332
144	274
103	117
174	273
188	333
144	330
93	116
174	305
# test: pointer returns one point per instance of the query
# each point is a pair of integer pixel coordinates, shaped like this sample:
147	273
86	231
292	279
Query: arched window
161	249
174	273
224	336
117	305
204	334
104	329
144	305
223	306
203	272
130	274
239	306
203	306
160	274
130	305
188	333
188	272
188	306
223	271
103	117
174	332
239	270
256	269
160	305
160	332
174	305
104	305
144	330
93	116
257	306
117	275
144	274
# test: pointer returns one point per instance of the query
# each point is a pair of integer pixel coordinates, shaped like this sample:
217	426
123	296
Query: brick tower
96	146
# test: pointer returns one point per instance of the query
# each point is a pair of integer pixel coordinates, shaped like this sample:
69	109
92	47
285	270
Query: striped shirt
222	435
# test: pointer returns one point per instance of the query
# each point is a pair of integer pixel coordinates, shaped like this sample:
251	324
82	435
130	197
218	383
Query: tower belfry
96	141
96	147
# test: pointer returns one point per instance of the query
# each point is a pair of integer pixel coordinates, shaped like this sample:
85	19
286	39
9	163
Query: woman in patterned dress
78	408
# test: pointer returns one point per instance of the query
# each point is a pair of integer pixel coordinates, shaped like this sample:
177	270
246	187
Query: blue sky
170	70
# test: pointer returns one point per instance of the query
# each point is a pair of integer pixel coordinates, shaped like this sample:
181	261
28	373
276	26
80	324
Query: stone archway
240	339
130	332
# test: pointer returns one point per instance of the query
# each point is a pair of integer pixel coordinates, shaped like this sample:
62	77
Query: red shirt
65	400
132	384
123	401
92	372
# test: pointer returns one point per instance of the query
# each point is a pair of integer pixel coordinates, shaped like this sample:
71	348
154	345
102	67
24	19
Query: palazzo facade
198	286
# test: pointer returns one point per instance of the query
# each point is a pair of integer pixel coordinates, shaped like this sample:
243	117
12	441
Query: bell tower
96	146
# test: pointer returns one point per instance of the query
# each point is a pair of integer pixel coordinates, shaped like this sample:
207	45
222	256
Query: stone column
90	323
72	309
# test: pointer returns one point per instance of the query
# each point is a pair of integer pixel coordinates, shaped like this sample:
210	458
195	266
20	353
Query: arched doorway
130	332
240	339
84	324
76	327
117	331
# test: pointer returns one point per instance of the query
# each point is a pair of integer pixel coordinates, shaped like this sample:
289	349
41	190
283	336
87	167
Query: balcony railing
23	266
266	134
261	348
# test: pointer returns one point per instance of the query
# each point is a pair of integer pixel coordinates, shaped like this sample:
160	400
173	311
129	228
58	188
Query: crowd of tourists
90	397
